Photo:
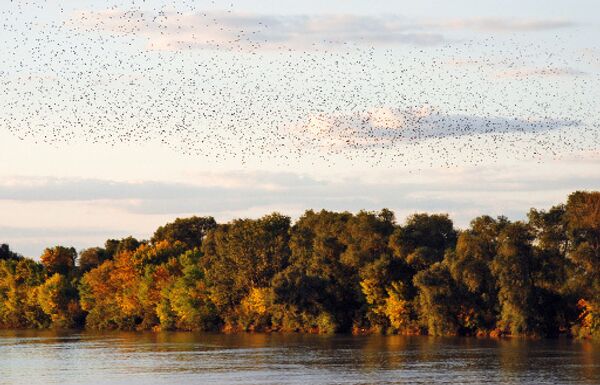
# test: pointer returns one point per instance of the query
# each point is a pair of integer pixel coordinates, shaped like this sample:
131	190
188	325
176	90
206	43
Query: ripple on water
168	358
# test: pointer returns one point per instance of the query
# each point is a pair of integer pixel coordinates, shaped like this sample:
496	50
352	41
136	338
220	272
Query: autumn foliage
327	272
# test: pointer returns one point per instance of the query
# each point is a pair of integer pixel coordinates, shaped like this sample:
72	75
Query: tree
110	295
189	298
366	237
552	243
583	226
299	299
59	300
7	254
416	246
92	258
513	269
189	231
583	231
157	253
388	298
557	299
470	266
117	246
59	260
329	272
437	300
423	240
318	241
243	255
19	307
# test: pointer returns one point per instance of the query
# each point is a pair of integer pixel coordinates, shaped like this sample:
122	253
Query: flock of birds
222	85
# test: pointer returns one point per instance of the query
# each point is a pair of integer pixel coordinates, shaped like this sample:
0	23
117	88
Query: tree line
327	272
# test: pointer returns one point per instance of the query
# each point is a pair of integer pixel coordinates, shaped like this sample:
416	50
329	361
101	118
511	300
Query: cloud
43	211
259	189
521	73
173	30
30	241
48	232
170	30
212	188
386	127
503	25
591	56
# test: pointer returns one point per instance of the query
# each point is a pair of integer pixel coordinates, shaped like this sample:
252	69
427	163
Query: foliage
59	300
328	272
7	254
241	256
92	258
59	259
189	231
19	307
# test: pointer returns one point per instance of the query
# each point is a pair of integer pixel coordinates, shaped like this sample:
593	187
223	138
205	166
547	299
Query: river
29	357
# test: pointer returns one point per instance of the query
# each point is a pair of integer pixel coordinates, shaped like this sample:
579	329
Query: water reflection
29	357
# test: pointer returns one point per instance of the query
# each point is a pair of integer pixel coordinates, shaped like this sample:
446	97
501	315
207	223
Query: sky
120	116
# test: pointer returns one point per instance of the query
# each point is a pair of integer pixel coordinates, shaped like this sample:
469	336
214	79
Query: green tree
423	240
557	301
91	258
388	298
7	254
513	269
117	246
189	231
583	232
299	299
243	255
59	300
317	243
189	297
438	307
470	267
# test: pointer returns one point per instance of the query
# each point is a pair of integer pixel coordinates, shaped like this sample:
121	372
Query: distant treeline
328	272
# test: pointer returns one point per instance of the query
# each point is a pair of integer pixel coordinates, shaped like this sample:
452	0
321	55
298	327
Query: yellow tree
58	300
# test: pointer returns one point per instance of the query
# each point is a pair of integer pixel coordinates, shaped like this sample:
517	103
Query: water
185	358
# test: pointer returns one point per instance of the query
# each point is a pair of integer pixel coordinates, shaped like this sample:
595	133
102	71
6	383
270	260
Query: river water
185	358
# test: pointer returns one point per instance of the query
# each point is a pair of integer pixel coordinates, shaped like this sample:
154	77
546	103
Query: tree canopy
326	272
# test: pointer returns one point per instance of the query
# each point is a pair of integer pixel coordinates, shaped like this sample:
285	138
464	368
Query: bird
213	83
